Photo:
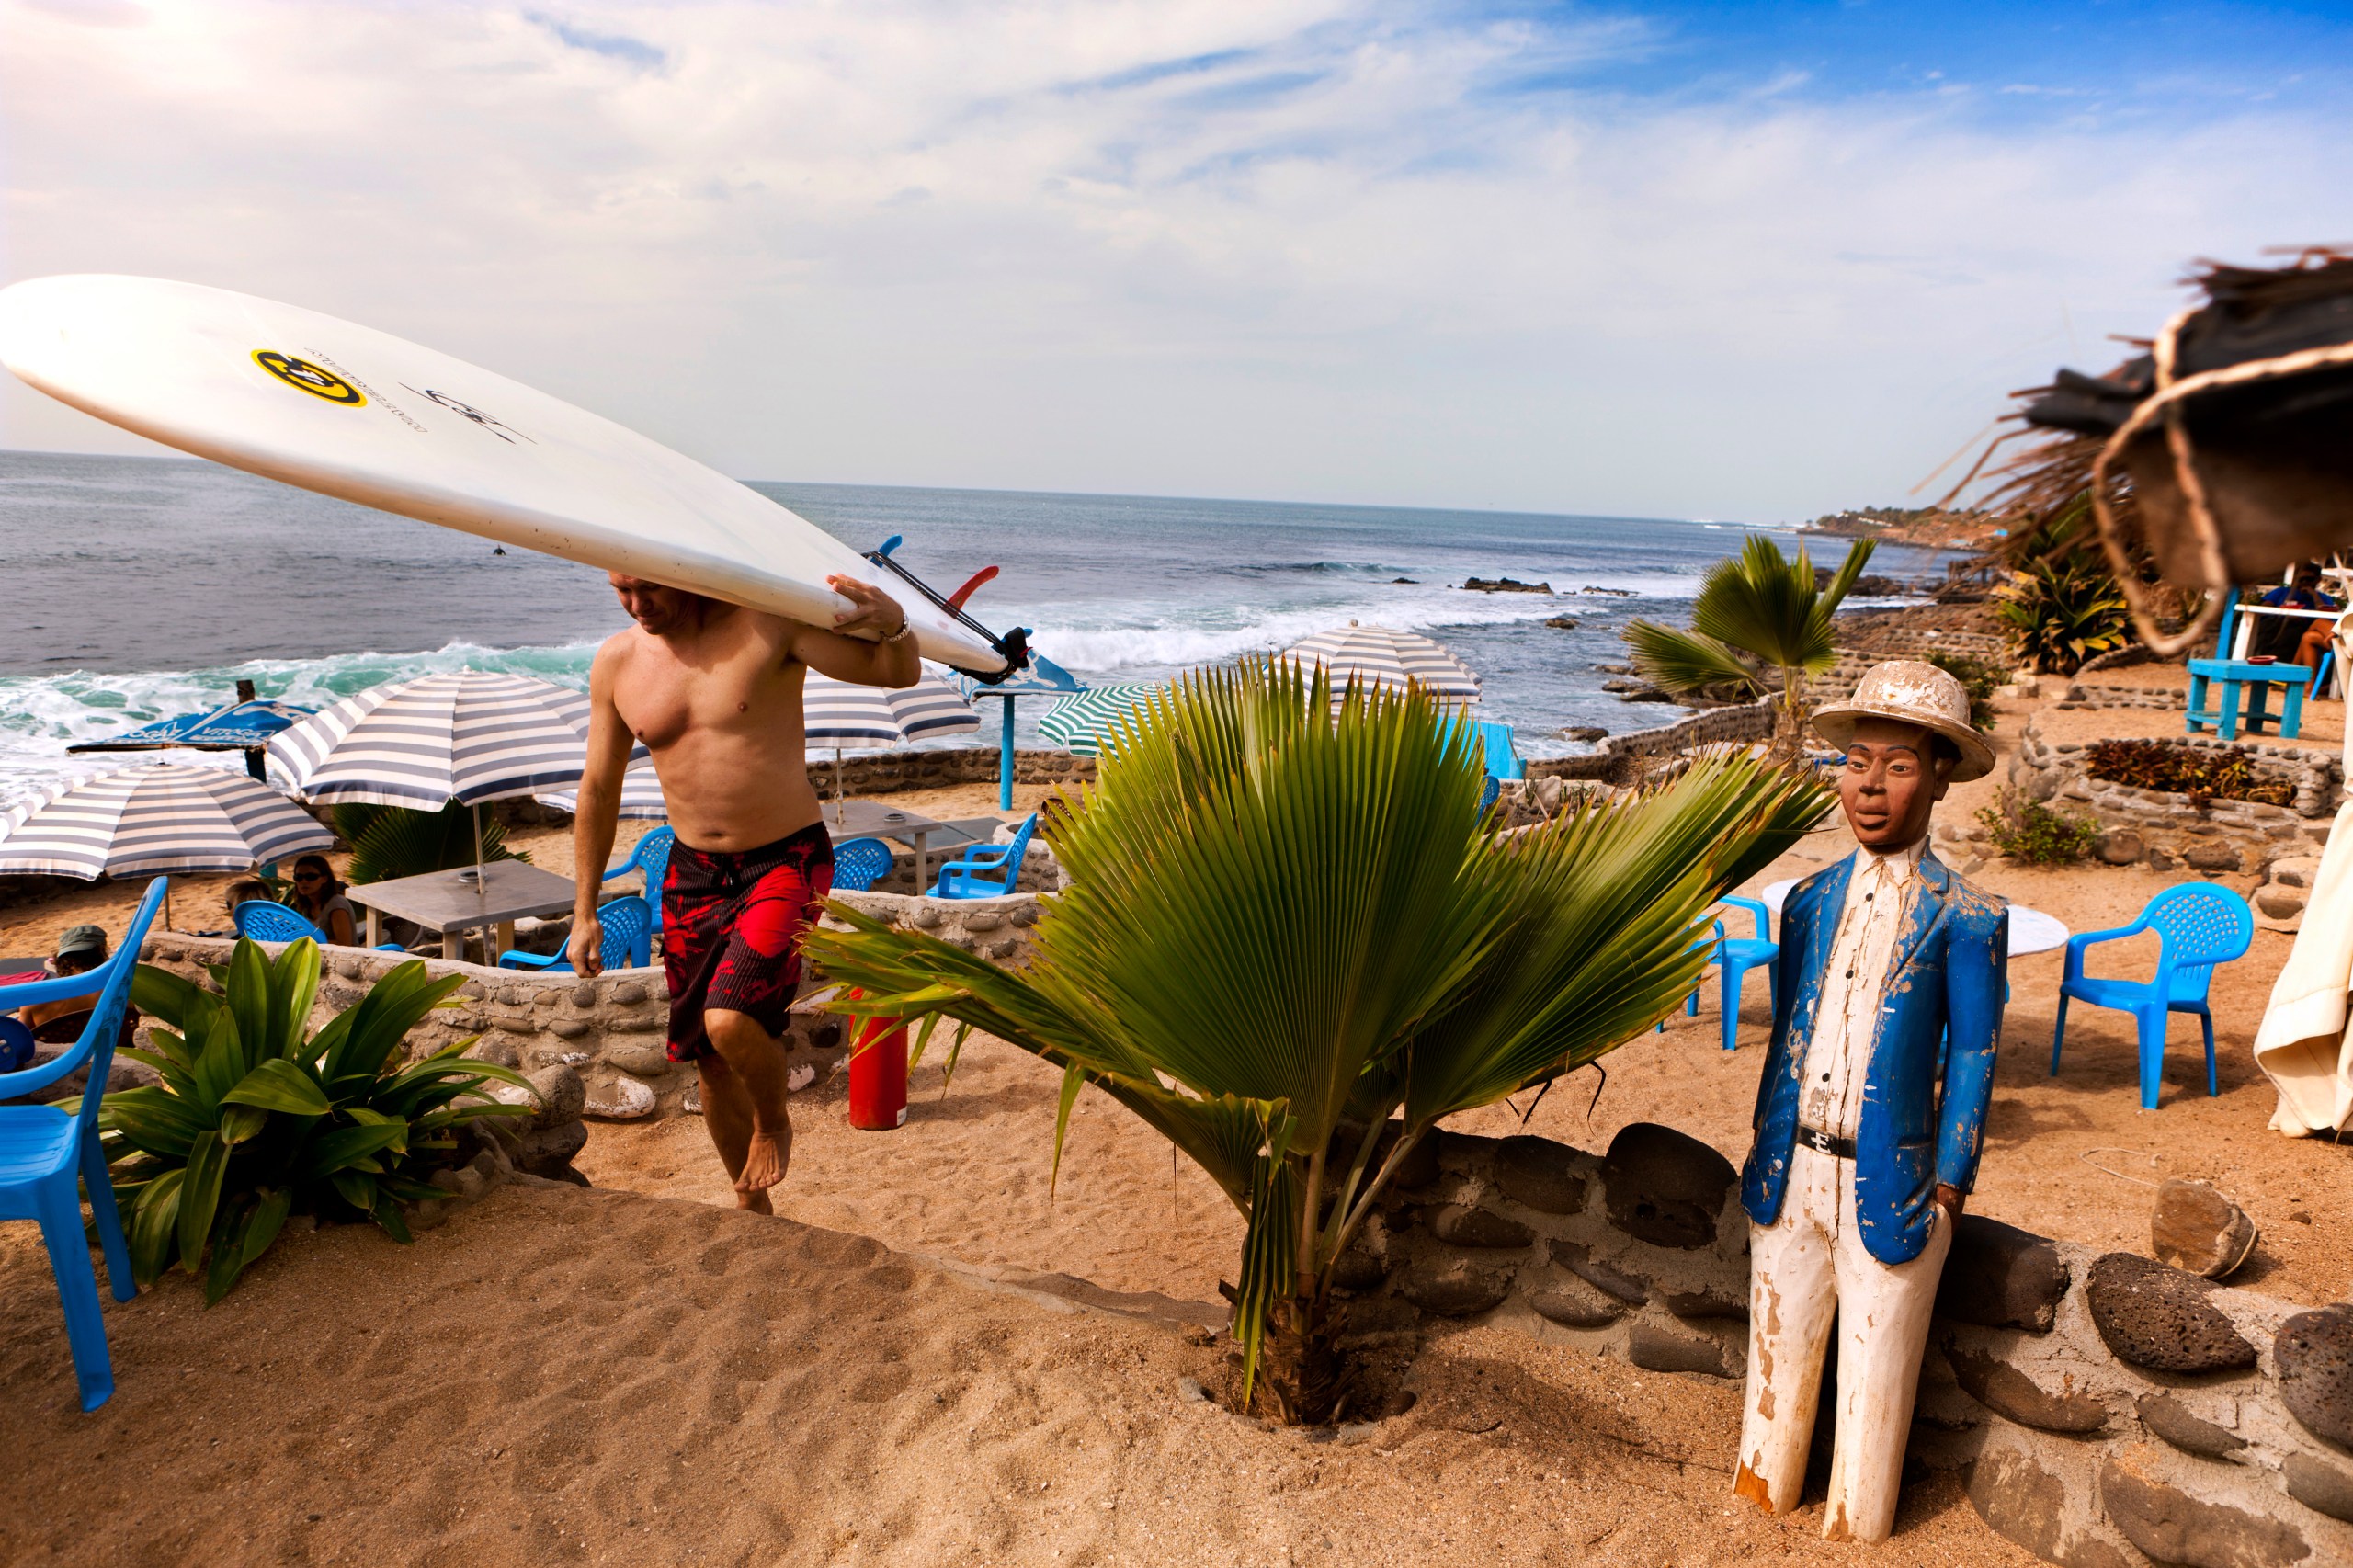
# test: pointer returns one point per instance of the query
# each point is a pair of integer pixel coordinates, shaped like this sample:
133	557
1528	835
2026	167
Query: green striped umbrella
1081	725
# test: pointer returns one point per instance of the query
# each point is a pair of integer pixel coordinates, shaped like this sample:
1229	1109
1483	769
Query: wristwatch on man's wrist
906	630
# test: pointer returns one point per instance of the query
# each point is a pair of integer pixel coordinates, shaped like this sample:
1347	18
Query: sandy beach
895	1371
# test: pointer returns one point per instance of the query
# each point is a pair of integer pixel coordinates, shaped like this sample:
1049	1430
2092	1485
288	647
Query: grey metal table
452	901
911	828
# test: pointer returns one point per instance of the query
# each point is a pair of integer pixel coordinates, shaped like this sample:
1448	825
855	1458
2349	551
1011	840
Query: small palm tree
1757	610
1289	947
2060	605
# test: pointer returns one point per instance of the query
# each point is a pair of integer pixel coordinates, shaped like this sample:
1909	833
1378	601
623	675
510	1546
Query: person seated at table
81	949
318	898
2278	636
245	890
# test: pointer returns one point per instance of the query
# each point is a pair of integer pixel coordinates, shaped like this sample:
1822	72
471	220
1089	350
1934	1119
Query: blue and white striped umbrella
465	735
640	795
1083	724
839	715
144	817
1381	656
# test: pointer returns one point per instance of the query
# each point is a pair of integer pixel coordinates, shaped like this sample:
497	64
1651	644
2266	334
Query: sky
1749	262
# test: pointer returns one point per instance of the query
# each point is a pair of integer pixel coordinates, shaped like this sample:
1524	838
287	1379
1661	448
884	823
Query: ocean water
142	587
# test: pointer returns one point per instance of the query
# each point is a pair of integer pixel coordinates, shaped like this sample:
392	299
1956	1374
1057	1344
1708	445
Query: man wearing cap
1872	1112
81	949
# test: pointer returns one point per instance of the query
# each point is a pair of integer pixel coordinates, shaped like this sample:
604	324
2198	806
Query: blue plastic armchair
858	863
47	1150
1734	956
989	870
1488	793
651	858
263	921
626	926
2198	926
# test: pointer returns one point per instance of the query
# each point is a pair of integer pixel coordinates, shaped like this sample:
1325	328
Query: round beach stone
549	1151
1658	1348
2314	1354
2018	1498
1358	1269
1459	1225
559	1094
646	1058
1454	1290
1420	1165
2323	1487
2167	1418
2213	855
1549	1177
1664	1186
2158	1317
2280	902
2005	1391
1571	1303
2193	1226
1999	1276
2121	847
626	1100
2171	1526
1706	1304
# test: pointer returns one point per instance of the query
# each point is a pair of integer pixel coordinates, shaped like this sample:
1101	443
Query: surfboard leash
1013	646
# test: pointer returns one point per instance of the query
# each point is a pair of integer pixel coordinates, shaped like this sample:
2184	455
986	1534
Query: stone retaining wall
2164	829
886	772
1623	759
2109	1411
2089	694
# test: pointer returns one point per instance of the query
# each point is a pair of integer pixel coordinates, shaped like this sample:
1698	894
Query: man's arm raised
598	812
842	653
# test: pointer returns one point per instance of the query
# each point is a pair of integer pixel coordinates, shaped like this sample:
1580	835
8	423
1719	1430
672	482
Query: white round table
2031	931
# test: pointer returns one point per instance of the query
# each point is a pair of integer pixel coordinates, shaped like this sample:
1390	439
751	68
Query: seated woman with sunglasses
318	898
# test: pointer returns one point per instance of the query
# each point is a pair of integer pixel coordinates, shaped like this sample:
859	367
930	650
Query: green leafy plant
2202	773
1756	610
259	1118
1981	678
1288	947
393	841
2061	606
2028	830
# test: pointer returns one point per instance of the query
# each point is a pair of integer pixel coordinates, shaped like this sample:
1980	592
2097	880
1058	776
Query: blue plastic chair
264	921
626	926
989	870
2199	925
1734	956
1487	794
47	1150
651	856
858	863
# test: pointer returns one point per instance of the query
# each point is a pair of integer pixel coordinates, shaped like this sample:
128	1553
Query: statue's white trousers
1807	1265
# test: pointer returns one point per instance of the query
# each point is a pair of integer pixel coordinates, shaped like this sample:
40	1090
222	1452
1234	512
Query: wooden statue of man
1870	1119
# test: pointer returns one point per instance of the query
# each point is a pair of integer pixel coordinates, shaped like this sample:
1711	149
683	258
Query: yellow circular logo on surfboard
303	376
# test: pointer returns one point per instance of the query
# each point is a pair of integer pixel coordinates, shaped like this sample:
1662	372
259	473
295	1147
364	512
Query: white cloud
1303	248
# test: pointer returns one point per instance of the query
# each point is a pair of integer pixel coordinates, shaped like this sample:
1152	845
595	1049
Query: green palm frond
388	842
1284	919
1684	662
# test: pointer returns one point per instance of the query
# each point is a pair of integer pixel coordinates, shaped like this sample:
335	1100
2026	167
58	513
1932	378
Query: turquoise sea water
143	587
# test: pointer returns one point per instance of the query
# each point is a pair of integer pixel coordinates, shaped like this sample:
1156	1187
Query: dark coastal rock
1696	1304
2172	1526
2213	856
2005	1391
1658	1348
1549	1177
2193	1226
1505	585
2314	1354
1454	1290
2169	1418
2323	1487
1460	1226
1583	733
2000	1277
1561	622
2160	1318
1572	1303
1664	1186
2025	1503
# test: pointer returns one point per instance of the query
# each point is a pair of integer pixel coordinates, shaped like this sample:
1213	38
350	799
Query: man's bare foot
763	1164
755	1203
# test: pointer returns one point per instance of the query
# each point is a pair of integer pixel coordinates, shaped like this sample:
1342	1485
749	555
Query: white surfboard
357	414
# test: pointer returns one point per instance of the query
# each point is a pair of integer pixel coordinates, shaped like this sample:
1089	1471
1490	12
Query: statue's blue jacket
1931	1070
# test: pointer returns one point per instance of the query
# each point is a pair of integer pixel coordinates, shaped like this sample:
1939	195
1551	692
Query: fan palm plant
1756	610
1289	947
2060	605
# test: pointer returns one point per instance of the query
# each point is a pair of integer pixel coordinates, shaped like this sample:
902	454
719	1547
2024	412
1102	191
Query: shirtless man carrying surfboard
713	690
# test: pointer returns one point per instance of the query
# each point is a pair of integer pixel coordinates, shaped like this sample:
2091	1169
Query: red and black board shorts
731	930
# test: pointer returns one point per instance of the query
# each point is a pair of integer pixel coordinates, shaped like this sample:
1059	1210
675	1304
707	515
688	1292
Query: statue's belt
1836	1148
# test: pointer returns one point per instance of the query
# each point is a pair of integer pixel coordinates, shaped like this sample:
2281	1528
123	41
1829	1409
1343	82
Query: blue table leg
2228	727
1005	760
2197	718
2258	711
2291	712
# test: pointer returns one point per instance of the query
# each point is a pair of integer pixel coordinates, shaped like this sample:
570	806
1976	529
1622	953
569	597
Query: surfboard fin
956	600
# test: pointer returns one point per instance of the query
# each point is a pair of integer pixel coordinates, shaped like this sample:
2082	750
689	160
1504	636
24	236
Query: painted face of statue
1891	782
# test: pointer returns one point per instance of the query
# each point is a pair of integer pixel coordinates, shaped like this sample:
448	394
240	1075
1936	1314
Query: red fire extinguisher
878	1075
